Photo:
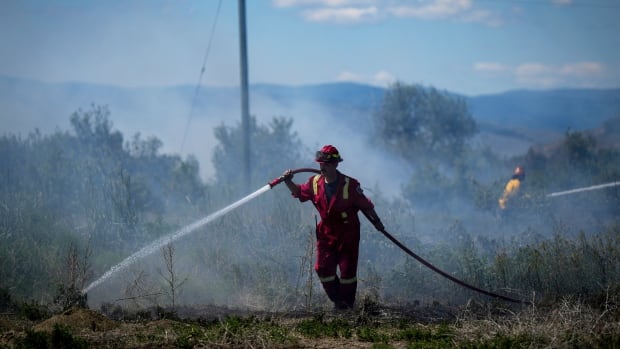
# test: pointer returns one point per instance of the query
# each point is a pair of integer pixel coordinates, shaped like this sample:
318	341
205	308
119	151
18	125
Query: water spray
579	190
168	239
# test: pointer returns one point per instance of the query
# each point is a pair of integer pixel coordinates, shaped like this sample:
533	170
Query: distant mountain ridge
557	110
551	110
520	117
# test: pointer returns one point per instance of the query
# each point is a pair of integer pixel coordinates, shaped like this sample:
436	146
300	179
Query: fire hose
411	253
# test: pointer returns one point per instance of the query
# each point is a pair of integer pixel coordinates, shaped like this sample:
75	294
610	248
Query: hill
553	110
183	117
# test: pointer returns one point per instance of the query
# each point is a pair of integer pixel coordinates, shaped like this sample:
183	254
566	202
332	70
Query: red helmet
328	153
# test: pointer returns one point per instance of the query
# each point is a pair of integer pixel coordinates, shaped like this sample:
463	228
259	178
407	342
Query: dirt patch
78	320
6	325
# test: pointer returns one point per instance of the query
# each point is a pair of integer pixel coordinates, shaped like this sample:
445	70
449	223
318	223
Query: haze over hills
183	117
554	110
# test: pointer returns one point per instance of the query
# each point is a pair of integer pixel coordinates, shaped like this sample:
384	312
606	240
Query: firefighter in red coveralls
337	198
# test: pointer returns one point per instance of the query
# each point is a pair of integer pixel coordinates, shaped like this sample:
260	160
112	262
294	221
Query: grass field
568	323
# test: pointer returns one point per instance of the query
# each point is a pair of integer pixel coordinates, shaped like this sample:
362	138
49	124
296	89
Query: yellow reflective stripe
328	278
345	190
348	281
315	184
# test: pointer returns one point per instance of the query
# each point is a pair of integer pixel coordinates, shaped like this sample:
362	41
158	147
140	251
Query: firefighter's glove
287	176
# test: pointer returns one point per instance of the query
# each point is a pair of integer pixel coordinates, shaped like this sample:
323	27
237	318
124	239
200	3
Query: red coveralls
338	235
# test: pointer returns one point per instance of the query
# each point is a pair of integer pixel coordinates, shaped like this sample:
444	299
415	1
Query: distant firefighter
512	187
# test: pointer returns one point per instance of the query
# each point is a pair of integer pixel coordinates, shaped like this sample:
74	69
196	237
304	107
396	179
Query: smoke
260	256
348	130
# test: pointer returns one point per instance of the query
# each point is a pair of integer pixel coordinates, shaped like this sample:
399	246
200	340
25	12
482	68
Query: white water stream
578	190
165	240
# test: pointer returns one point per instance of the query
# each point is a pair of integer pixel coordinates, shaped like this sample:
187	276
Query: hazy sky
465	46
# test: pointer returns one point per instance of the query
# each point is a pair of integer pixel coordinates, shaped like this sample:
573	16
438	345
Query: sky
471	47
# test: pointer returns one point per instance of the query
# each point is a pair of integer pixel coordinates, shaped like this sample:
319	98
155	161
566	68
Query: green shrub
63	339
33	340
34	312
319	328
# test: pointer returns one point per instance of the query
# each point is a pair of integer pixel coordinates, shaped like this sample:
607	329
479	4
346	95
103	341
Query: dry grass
569	323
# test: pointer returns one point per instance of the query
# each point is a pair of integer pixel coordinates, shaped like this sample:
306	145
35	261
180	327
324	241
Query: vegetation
415	121
75	203
569	323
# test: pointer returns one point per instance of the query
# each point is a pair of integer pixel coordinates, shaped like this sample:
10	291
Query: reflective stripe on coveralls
345	190
328	278
342	281
348	281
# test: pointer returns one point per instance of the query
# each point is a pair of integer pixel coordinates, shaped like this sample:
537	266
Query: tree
173	284
274	148
73	274
85	184
415	122
430	130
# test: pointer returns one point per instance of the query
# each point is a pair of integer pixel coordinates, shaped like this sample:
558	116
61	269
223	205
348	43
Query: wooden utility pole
245	104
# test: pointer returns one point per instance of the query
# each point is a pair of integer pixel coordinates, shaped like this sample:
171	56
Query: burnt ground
565	324
427	314
211	327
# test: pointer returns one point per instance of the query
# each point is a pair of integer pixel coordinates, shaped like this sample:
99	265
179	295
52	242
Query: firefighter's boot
332	289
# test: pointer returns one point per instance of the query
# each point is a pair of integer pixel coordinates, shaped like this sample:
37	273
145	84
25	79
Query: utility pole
245	104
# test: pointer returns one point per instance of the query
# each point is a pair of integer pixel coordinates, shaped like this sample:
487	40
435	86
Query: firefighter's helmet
328	154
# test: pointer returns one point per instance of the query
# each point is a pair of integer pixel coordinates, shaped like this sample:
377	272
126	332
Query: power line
202	71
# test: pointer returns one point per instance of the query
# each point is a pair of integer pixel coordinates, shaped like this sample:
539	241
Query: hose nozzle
281	179
276	181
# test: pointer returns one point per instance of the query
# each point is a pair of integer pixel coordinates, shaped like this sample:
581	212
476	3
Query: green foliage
507	341
68	296
560	266
69	188
318	327
431	131
274	148
548	268
63	338
418	336
6	300
414	121
370	334
33	340
577	161
234	331
60	338
33	311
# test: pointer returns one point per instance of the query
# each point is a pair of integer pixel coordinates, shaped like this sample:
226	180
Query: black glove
378	225
287	175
